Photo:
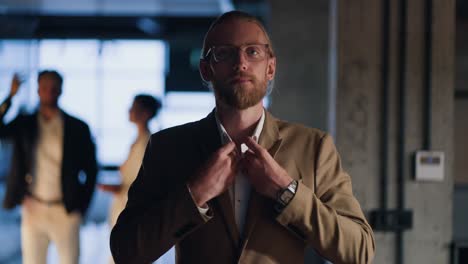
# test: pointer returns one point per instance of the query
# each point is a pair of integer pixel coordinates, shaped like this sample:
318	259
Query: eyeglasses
252	52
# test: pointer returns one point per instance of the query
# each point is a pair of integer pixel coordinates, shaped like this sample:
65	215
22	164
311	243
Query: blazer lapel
210	141
224	205
67	143
270	140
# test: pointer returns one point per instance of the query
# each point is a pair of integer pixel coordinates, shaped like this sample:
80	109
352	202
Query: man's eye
253	51
223	53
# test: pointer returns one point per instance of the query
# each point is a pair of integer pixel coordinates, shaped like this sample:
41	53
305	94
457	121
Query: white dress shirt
128	171
240	190
48	158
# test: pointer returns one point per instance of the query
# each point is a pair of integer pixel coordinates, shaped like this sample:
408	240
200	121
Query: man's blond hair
229	16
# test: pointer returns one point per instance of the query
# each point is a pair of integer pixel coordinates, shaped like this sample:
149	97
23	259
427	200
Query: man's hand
216	175
263	172
15	84
26	202
115	189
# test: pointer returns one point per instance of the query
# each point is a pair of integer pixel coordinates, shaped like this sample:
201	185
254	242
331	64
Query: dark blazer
160	212
78	157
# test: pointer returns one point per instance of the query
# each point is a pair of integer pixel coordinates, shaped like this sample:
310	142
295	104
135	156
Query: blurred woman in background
143	109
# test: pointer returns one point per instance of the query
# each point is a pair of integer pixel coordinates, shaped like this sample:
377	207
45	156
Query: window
100	80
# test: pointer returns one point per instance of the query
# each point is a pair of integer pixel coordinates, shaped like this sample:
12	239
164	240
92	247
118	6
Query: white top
240	190
48	158
129	171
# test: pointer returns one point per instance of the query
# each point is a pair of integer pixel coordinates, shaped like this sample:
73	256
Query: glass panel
100	80
17	56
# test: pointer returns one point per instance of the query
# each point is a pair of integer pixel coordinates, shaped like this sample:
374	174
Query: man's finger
249	158
226	149
249	154
254	146
235	157
16	76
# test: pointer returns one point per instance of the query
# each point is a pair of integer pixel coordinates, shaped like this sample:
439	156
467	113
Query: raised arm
8	130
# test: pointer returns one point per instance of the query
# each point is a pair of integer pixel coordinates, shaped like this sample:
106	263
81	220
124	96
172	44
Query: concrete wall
360	58
300	37
301	33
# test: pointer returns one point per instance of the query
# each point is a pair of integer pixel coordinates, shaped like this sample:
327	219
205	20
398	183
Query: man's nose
240	60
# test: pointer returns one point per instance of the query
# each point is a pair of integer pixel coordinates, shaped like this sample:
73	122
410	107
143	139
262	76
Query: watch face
286	196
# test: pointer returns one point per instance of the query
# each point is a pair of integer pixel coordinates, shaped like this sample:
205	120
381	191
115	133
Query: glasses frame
210	54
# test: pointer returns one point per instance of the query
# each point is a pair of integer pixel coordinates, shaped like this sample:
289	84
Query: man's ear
271	68
205	70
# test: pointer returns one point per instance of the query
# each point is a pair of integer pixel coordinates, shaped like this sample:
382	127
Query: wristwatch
285	196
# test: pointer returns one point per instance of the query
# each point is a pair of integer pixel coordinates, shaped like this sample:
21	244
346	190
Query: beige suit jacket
160	212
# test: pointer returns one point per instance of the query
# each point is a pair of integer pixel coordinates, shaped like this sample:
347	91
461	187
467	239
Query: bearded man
241	186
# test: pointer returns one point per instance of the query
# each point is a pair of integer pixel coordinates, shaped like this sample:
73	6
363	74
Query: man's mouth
240	79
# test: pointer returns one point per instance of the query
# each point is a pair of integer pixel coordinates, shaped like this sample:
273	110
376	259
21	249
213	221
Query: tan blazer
323	214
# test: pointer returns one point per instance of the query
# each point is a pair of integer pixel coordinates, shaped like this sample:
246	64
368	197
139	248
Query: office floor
94	234
95	246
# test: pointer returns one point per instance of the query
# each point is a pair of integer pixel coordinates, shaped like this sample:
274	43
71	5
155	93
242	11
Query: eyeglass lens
255	52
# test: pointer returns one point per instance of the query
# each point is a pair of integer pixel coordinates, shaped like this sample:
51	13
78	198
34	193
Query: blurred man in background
52	150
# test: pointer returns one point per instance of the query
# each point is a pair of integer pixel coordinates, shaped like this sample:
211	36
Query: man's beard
238	96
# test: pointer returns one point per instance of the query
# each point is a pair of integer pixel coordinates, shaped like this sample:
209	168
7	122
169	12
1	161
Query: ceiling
115	18
117	7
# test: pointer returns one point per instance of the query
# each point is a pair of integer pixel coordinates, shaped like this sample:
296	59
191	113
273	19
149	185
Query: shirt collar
225	138
56	119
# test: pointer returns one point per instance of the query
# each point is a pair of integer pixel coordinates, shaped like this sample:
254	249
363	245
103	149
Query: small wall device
429	166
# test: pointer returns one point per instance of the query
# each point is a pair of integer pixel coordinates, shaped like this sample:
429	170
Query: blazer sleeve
14	128
331	219
157	214
6	130
4	106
